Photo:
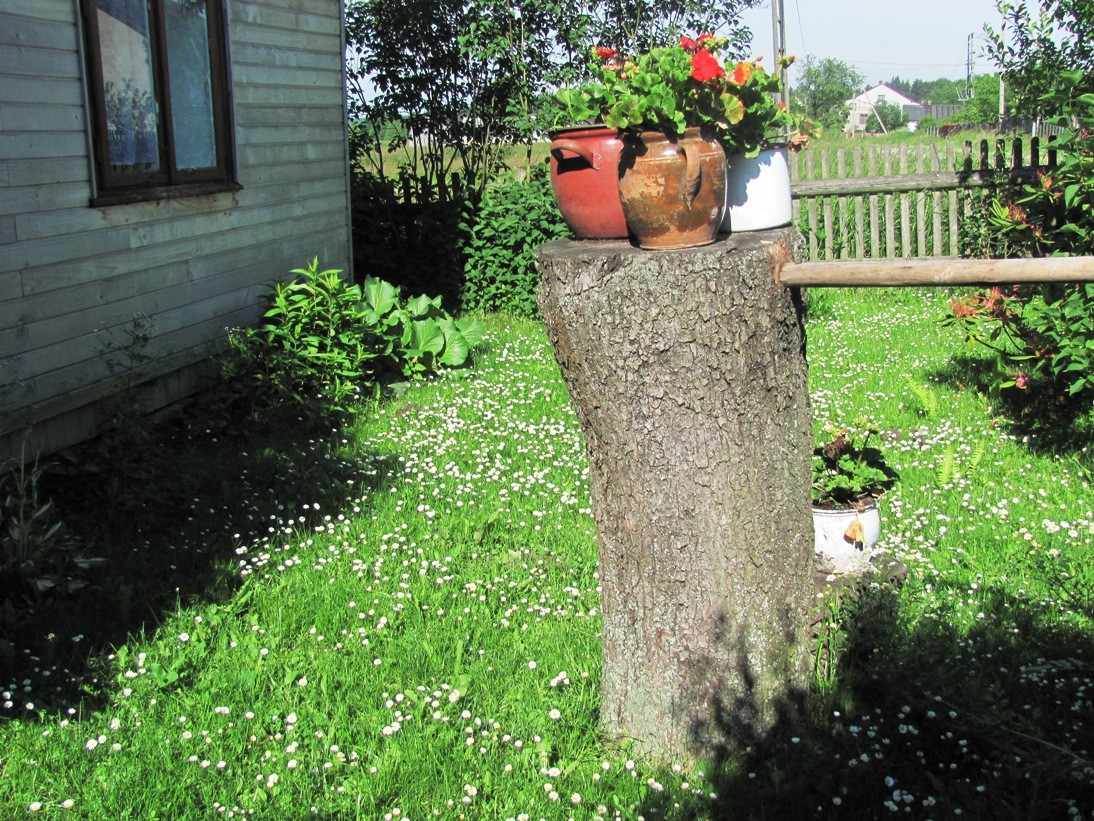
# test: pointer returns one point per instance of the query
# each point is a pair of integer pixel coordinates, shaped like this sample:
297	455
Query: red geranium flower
687	44
606	53
705	67
742	73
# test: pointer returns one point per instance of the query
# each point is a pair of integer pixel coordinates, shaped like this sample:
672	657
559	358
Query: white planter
757	191
833	545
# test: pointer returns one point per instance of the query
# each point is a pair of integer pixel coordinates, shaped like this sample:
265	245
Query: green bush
513	219
1044	334
408	232
323	339
39	558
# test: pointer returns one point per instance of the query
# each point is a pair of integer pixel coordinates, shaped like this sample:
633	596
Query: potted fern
849	476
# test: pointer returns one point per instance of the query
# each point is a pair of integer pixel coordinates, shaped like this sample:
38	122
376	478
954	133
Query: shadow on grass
1064	425
927	721
169	512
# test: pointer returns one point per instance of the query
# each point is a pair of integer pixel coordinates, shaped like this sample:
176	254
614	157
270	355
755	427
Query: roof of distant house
882	92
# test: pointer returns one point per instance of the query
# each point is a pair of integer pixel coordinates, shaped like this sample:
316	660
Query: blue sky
924	39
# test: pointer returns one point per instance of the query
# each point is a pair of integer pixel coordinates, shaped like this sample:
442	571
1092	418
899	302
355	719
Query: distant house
161	163
862	106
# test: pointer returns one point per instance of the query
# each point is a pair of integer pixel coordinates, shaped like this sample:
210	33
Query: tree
1033	48
823	91
983	106
466	77
639	25
942	91
700	445
458	75
886	117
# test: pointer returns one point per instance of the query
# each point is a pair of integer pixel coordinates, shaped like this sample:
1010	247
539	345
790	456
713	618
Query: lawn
400	619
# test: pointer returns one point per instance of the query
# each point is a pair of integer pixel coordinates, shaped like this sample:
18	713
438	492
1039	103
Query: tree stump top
744	242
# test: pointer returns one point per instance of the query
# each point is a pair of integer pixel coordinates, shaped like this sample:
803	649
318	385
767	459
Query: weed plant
400	620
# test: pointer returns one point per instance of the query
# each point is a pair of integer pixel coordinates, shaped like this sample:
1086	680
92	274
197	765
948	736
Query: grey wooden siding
74	279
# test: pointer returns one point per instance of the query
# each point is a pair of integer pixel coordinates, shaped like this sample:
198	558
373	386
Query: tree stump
688	374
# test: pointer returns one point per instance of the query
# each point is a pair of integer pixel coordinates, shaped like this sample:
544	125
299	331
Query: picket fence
877	201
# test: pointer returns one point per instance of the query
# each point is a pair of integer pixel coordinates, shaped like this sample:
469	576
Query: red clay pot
673	189
585	179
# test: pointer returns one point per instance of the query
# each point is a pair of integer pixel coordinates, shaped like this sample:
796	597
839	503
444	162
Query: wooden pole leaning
688	374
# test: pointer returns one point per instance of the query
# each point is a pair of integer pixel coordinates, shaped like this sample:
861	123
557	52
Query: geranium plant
667	89
848	472
766	121
688	84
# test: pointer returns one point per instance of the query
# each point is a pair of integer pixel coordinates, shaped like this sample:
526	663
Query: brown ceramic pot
585	179
673	189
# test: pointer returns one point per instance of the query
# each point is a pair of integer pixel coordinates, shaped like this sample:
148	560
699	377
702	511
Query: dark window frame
114	187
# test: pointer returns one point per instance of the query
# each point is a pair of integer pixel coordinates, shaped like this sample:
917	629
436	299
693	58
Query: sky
924	39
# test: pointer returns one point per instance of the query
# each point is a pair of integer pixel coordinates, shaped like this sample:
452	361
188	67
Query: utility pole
968	70
778	37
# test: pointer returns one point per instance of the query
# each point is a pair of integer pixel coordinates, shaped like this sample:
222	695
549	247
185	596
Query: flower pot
757	191
836	538
585	180
672	189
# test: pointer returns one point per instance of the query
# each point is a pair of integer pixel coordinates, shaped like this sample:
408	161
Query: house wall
79	284
862	106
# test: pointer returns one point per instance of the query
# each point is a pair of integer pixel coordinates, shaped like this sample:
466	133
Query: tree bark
688	374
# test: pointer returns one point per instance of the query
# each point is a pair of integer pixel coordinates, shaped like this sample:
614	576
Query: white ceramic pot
757	191
834	542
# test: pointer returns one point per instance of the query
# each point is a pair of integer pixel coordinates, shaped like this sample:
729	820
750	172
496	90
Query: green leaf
426	335
456	350
379	297
472	330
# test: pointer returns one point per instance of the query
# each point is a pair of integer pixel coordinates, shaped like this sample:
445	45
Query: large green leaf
472	330
426	335
380	298
456	349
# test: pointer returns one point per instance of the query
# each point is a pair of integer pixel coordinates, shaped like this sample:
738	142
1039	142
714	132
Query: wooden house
161	162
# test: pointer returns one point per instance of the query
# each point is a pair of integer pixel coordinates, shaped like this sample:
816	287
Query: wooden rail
929	181
880	273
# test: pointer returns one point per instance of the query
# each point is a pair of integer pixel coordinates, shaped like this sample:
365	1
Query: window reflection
131	115
192	110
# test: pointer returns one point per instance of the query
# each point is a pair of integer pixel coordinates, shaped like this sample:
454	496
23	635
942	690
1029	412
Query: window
159	92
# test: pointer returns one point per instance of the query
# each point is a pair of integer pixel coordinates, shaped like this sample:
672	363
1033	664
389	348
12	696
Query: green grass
401	620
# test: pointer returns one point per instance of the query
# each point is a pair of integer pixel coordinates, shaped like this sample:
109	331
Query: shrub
323	339
1044	334
408	232
39	558
513	219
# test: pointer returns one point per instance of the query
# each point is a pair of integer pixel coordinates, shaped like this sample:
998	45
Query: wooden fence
876	202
